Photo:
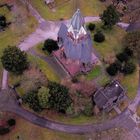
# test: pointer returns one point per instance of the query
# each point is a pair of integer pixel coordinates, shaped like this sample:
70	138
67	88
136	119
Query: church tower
75	40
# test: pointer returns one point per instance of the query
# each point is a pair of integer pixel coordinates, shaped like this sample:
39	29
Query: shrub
118	65
4	130
43	97
59	98
112	70
88	110
122	57
128	51
129	67
74	79
31	99
2	22
50	45
14	60
91	26
99	37
11	122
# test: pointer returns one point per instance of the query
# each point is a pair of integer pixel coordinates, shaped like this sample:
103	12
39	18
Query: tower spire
77	27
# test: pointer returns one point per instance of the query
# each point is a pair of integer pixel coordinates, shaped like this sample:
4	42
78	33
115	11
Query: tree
91	26
14	60
11	122
99	37
2	22
110	16
129	67
43	97
122	57
31	99
112	70
50	45
59	98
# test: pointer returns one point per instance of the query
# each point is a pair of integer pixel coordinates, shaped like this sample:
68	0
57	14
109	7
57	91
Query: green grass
38	49
28	131
112	43
96	71
48	71
65	10
16	32
130	82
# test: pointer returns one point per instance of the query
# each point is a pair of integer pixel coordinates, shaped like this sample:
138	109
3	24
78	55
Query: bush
59	97
128	51
50	45
4	130
43	97
74	79
11	122
129	67
88	110
118	65
99	37
91	26
14	60
31	99
122	57
112	70
2	22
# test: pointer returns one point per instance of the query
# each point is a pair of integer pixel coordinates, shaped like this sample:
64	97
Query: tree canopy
14	60
43	97
59	98
110	16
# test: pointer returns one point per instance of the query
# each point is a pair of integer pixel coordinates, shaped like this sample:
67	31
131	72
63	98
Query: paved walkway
8	103
4	80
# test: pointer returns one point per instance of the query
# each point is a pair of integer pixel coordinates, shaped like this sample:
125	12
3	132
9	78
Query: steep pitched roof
77	20
77	28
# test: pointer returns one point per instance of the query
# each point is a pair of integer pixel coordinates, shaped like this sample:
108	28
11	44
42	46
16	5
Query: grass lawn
130	82
112	43
18	30
66	9
108	49
28	131
48	71
94	73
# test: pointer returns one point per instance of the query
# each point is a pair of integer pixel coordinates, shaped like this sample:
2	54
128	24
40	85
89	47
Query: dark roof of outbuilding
111	92
133	26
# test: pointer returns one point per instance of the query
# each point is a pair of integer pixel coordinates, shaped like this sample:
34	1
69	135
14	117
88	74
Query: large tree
59	98
14	60
110	16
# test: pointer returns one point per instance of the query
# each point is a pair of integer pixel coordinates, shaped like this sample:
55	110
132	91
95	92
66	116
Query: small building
50	3
109	96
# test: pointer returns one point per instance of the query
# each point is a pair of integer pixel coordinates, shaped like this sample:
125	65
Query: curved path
8	102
